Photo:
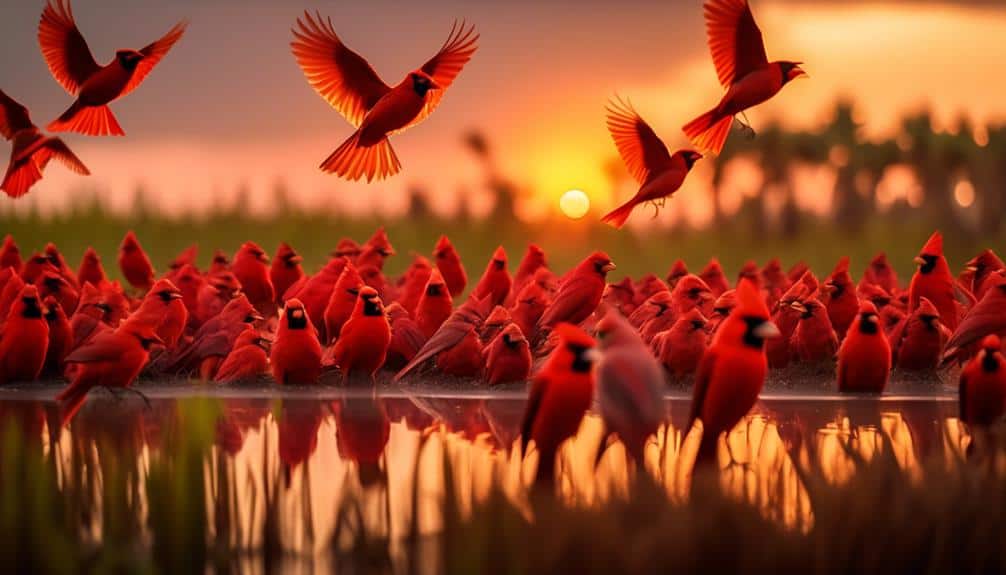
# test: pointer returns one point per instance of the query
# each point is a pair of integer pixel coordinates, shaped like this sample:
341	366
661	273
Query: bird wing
641	150
734	40
446	65
56	148
984	318
104	346
152	54
703	374
538	386
13	117
471	313
64	48
341	76
568	299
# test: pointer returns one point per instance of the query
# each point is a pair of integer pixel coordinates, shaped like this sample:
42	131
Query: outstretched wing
734	40
63	47
152	54
445	66
641	150
339	75
13	117
56	148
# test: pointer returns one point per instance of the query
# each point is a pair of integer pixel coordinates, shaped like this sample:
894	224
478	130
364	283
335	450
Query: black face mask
750	338
32	310
296	321
372	308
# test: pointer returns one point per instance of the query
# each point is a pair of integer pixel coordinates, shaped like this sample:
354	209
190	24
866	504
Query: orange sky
537	86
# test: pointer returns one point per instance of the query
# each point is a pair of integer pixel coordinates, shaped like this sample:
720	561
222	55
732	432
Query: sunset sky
229	108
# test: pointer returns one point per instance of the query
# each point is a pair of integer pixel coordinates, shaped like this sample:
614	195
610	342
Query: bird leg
745	126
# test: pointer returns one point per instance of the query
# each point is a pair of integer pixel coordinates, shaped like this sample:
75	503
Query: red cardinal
214	339
60	337
714	277
10	255
31	150
362	430
374	277
797	271
24	338
919	340
864	360
53	284
934	282
346	248
248	360
495	323
9	295
840	298
296	353
73	66
774	280
164	309
629	384
786	317
413	282
214	294
93	312
435	305
561	393
186	257
742	67
508	357
656	306
621	296
468	317
134	263
658	173
579	294
984	268
662	320
375	251
648	286
56	258
987	317
189	281
219	264
680	348
495	281
983	385
533	260
251	267
814	338
406	337
528	307
692	293
342	302
363	344
678	270
317	291
733	369
449	263
91	270
35	267
111	359
347	82
285	271
463	359
880	273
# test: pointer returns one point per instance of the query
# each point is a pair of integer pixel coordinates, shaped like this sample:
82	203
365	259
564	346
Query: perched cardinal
678	270
134	263
658	173
251	267
560	395
840	298
934	282
60	337
214	294
984	268
662	320
219	264
35	267
629	384
655	306
648	286
983	385
814	339
467	317
495	281
774	280
413	282
797	271
528	307
363	344
213	340
733	369
186	257
406	337
92	312
579	294
10	255
91	270
680	348
722	308
376	250
347	82
296	354
189	281
59	262
164	309
497	320
621	296
24	338
435	305
742	67
864	360
987	317
463	359
919	341
714	277
111	359
508	357
786	314
9	295
449	264
53	284
880	273
317	291
31	150
73	66
534	259
342	302
346	248
285	271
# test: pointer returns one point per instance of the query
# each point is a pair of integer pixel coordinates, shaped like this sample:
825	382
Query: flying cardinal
742	67
31	150
73	66
658	172
347	82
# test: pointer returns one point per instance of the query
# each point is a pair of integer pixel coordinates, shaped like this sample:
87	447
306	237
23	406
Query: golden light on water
575	204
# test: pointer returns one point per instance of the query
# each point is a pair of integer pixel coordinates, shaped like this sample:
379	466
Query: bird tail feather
709	131
353	161
19	179
619	215
87	120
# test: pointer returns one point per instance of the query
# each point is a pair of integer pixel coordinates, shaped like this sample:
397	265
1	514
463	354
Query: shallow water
307	462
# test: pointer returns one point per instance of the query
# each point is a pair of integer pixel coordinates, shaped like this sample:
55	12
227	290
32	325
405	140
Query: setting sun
575	204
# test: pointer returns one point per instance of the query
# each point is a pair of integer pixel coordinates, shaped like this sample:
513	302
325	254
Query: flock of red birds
576	336
377	110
